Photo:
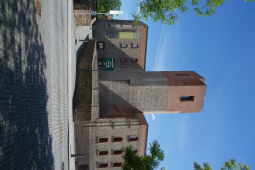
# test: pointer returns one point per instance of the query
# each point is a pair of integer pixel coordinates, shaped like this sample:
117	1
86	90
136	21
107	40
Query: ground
34	79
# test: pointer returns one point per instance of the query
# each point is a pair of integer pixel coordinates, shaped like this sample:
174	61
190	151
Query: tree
166	10
107	5
148	162
231	164
205	166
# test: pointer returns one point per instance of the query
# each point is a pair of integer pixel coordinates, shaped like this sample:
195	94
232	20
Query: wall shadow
25	142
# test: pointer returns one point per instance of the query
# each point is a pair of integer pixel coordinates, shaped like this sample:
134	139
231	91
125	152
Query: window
115	25
117	152
116	164
134	60
102	153
187	98
102	165
134	45
123	35
132	138
113	34
129	35
182	74
123	60
127	26
102	140
123	45
116	139
135	151
100	45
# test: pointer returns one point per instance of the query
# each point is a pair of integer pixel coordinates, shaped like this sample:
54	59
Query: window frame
102	163
98	139
132	138
117	137
99	44
102	151
132	45
134	60
118	152
120	164
187	98
123	45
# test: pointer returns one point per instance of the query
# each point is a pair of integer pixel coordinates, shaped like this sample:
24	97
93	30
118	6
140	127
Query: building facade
125	93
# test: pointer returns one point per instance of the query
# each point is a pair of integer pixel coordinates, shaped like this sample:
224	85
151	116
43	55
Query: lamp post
94	13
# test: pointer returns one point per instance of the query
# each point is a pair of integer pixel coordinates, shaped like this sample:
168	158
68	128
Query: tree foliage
231	164
148	162
107	5
167	11
205	166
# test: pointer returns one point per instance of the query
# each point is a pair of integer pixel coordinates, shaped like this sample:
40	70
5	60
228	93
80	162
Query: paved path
35	94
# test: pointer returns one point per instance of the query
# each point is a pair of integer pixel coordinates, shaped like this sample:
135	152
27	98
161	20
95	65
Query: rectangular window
187	98
102	139
135	151
182	74
127	26
132	138
117	152
129	35
134	45
102	165
123	35
113	34
100	45
123	60
123	45
134	60
116	139
115	25
116	164
102	153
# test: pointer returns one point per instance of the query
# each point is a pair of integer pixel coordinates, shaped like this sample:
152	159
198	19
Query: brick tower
152	92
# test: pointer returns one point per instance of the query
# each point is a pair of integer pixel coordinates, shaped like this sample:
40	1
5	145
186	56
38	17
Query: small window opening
102	165
135	151
117	139
134	45
100	45
123	45
102	140
134	60
117	152
102	153
132	138
122	60
116	164
180	74
187	98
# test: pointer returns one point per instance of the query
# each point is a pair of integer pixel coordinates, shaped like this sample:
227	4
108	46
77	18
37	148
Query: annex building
113	92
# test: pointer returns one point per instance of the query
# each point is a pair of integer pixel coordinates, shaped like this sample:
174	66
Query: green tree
231	164
205	166
166	10
107	5
148	162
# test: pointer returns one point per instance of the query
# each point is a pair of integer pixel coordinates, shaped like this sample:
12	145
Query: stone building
120	97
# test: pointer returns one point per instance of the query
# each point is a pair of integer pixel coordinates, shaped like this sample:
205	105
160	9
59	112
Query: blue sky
221	48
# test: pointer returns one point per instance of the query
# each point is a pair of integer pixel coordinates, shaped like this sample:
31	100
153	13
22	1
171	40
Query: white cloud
153	116
168	48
